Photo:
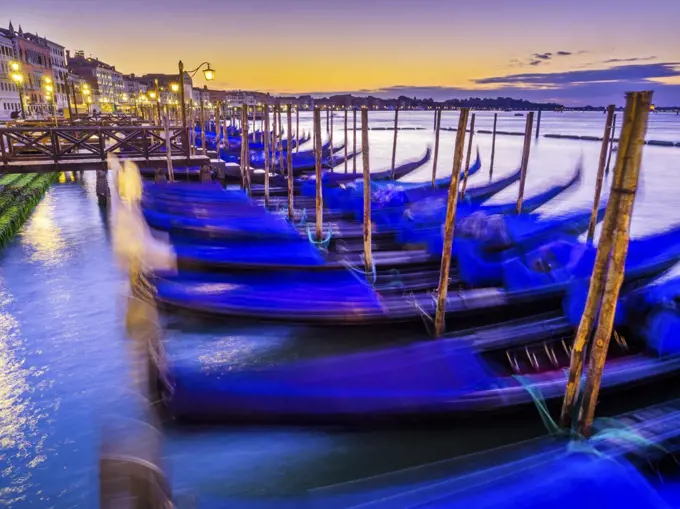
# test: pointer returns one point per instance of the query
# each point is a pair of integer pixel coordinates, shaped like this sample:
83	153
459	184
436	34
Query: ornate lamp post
208	74
49	96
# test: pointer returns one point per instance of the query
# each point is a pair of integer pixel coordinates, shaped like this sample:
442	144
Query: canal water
65	369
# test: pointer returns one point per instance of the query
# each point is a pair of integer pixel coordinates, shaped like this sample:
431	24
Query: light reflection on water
64	364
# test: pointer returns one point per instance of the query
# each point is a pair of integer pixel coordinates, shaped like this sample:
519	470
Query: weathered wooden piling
434	127
168	149
218	126
297	129
600	171
245	159
328	119
289	161
611	144
267	154
437	128
623	188
493	145
254	124
525	159
354	139
274	136
319	176
368	227
280	139
330	135
628	161
102	188
449	225
203	129
466	169
538	123
346	141
394	142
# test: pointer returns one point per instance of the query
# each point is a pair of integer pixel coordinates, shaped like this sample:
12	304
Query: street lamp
208	74
18	79
49	96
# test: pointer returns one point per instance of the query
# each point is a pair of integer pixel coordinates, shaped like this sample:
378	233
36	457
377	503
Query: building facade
9	93
60	73
106	84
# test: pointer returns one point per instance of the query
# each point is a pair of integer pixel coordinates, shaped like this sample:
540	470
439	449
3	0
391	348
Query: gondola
334	297
482	370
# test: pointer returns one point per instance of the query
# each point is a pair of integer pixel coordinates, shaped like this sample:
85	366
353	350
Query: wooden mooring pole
274	136
354	139
319	176
628	161
437	128
297	129
600	171
368	242
606	278
330	133
449	224
493	145
346	141
394	142
204	151
168	148
267	154
611	144
525	159
289	162
278	108
466	169
538	123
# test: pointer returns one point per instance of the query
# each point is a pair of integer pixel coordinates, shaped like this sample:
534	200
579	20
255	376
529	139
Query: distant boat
519	114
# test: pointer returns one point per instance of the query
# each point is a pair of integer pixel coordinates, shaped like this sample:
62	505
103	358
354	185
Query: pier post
278	107
218	127
318	175
466	169
203	130
449	225
168	148
600	171
525	159
274	135
289	161
245	162
611	144
254	124
267	154
493	145
328	119
346	141
297	128
627	166
434	128
394	142
437	127
538	123
354	139
368	242
332	158
102	188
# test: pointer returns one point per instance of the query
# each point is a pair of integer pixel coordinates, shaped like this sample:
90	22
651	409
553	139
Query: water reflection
43	236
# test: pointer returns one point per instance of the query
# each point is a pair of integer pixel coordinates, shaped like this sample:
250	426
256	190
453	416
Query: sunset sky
570	51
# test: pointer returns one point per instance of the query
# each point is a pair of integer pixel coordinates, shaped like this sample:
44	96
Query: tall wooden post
297	128
319	176
394	142
267	154
346	140
280	139
218	127
538	123
600	171
466	169
354	139
449	225
254	125
203	130
493	145
611	144
628	165
525	159
289	162
274	135
368	242
437	127
434	128
330	133
328	120
168	149
602	259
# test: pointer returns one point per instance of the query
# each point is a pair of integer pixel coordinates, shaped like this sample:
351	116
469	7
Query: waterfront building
33	55
60	73
9	93
105	82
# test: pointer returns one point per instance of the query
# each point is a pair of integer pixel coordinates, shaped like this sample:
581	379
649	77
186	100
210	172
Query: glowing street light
208	74
174	87
18	79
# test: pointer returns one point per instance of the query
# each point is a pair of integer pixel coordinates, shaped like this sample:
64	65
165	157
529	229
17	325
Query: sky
575	52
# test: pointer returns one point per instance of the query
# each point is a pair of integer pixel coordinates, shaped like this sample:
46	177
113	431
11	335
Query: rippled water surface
65	365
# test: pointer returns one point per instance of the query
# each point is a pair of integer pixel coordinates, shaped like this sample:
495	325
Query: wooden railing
59	144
